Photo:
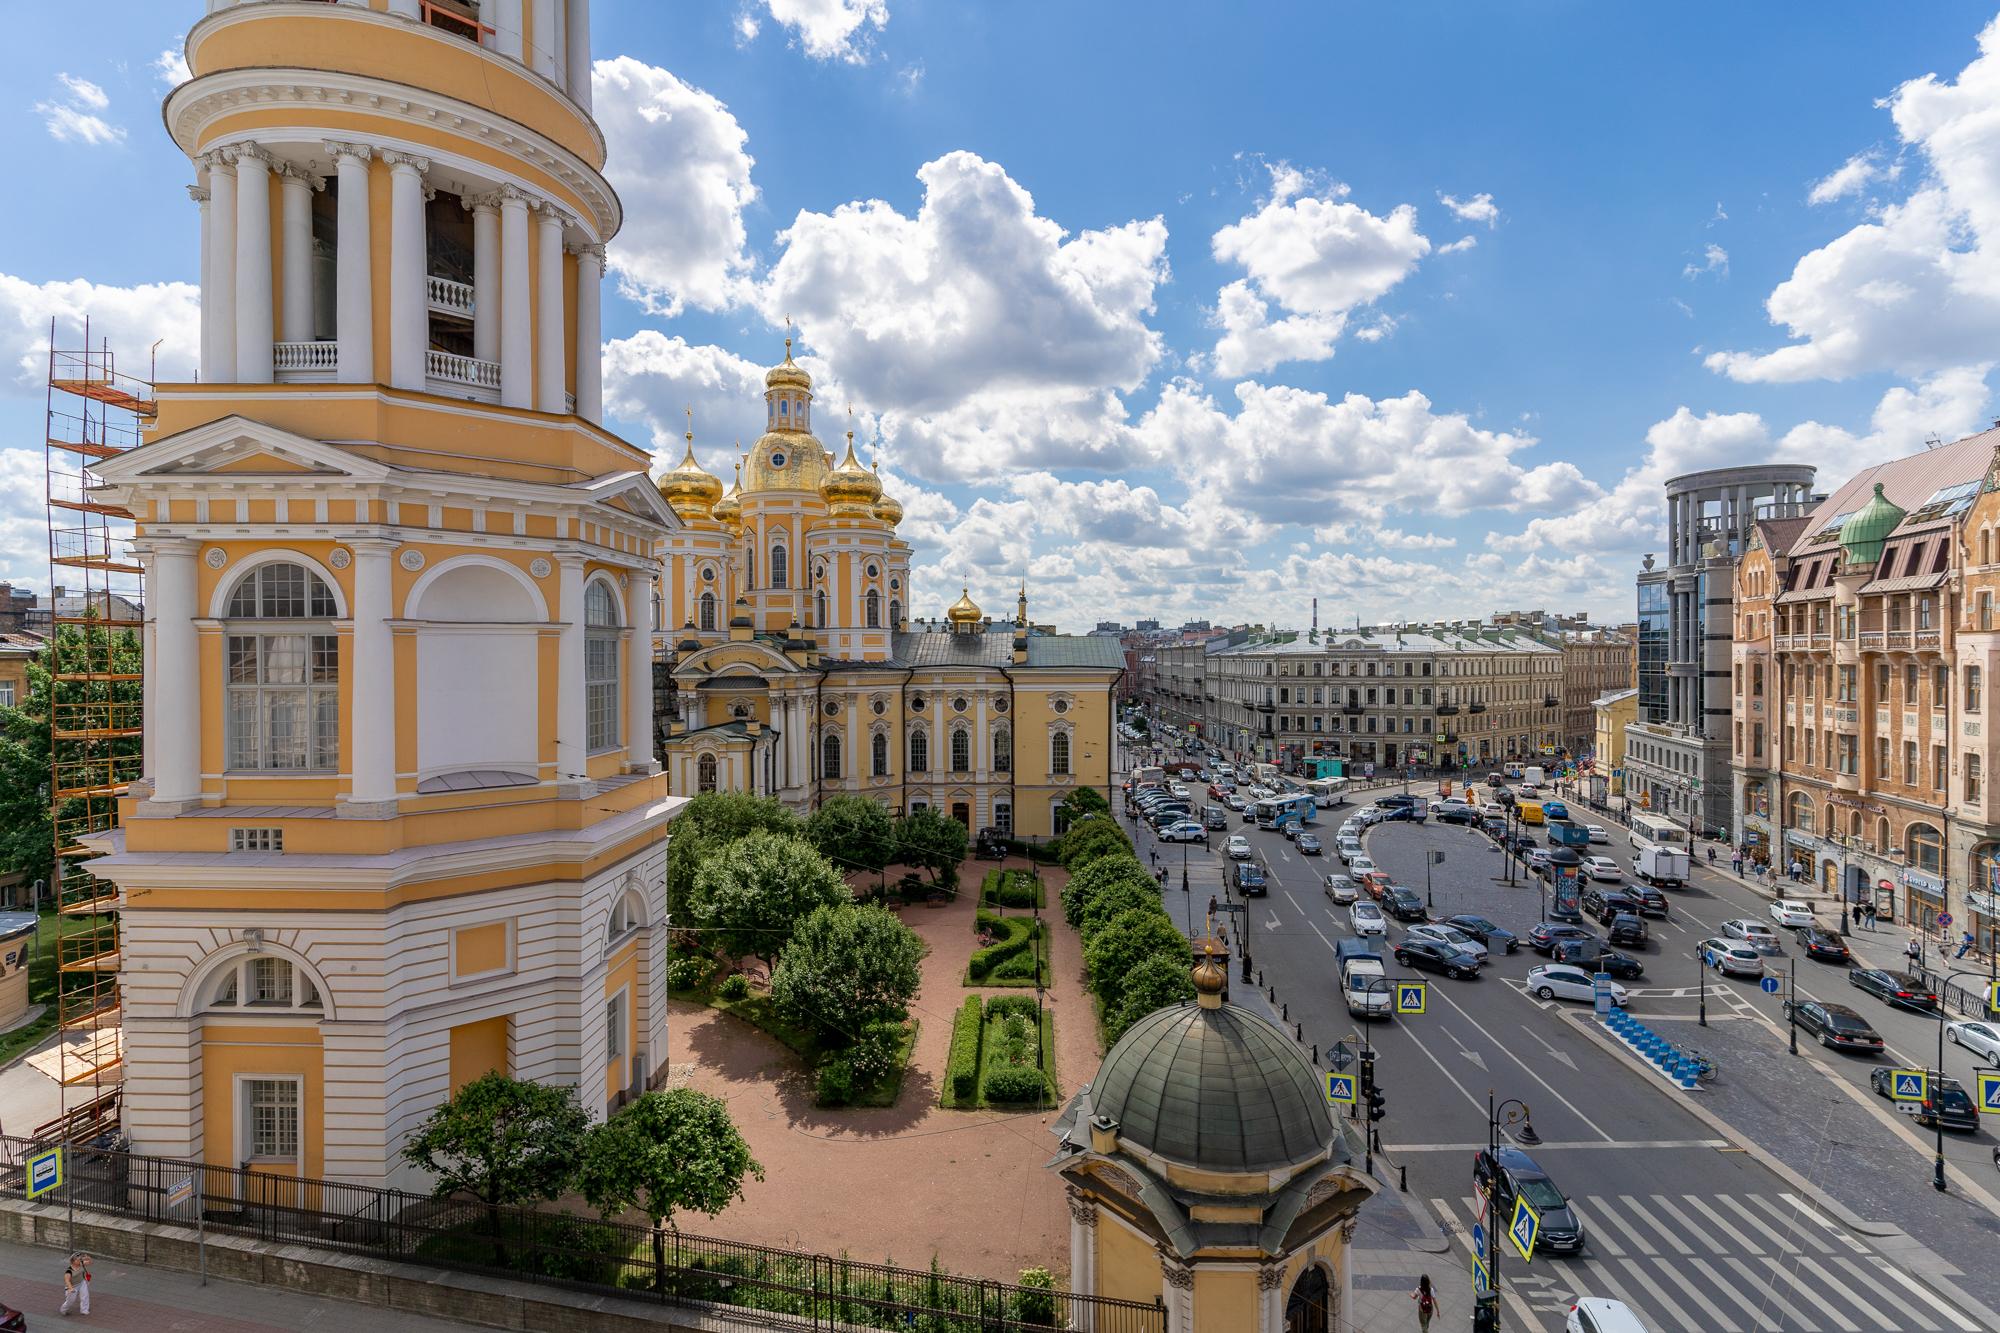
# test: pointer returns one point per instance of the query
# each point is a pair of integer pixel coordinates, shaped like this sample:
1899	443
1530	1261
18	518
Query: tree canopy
1157	981
854	832
708	823
748	896
1127	940
666	1152
1113	901
1087	881
847	967
932	841
501	1139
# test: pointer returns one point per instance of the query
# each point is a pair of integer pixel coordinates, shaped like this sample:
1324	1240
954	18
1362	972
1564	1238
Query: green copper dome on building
1861	537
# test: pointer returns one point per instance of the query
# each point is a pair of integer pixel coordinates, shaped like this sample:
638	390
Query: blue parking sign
1340	1089
1523	1228
1989	1093
45	1172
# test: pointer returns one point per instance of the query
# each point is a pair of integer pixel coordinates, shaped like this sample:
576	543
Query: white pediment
237	446
632	494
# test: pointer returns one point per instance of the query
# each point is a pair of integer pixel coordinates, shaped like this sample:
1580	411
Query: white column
571	750
409	301
354	302
590	333
579	52
373	724
542	41
297	189
507	27
639	675
199	193
485	278
175	672
517	329
255	328
219	366
549	358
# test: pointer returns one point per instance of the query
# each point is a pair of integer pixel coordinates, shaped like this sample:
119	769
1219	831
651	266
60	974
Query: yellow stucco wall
230	1052
480	1048
1128	1267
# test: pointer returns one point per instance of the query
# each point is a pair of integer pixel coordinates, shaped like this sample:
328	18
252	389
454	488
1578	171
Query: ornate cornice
1082	1208
198	193
1270	1277
1178	1274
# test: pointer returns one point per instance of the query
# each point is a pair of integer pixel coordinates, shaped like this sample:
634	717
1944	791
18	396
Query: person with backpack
1427	1301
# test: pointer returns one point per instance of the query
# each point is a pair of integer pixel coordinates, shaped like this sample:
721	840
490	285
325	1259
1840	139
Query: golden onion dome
889	509
786	460
691	489
851	488
788	375
729	509
964	611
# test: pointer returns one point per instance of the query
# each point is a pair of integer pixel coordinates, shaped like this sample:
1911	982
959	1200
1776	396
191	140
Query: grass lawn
997	1052
41	985
758	1010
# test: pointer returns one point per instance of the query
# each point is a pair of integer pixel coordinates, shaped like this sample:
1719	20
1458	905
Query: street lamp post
1486	1316
1701	971
1937	1111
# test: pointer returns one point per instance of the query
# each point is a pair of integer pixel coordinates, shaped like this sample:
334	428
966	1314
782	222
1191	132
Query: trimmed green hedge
1013	936
1017	1084
961	1077
1010	888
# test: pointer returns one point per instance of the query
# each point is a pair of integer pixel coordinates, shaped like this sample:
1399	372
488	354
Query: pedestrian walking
1427	1301
76	1285
1914	951
1795	870
1857	916
1736	865
1965	944
1871	916
1711	858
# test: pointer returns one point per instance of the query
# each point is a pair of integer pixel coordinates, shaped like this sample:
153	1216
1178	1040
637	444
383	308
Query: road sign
1478	1239
45	1172
1943	919
1769	985
1410	996
1600	992
1232	907
1989	1093
1993	996
182	1191
1482	1281
1909	1085
1522	1230
1340	1056
1340	1089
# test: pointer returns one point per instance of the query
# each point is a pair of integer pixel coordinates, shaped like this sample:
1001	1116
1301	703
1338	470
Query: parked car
1431	956
1651	901
1367	919
1494	810
1487	933
1602	1314
1625	928
1511	1174
1597	832
1463	815
1543	935
1753	933
1828	946
1899	989
1451	936
1602	903
1342	888
1184	830
1493	828
1790	912
1981	1038
1374	883
1948	1103
1602	868
1239	847
1537	857
1347	849
1361	865
1250	880
1403	904
1308	844
1837	1027
1559	981
1732	958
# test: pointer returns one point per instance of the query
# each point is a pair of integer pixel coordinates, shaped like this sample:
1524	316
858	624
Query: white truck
1148	773
1533	776
1364	982
1662	867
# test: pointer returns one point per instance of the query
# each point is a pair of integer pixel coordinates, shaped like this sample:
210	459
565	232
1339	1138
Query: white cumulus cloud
1852	177
1479	208
831	29
171	66
1714	259
72	116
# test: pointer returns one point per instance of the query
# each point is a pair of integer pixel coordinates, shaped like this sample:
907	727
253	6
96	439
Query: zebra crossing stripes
1722	1263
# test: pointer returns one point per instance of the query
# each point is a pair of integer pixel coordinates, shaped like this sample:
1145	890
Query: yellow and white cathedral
402	820
798	672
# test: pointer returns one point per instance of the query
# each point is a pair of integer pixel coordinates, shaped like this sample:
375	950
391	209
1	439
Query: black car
1604	904
1515	1176
1520	844
1897	988
1403	904
1458	814
1594	957
1651	901
1837	1027
1492	936
1493	828
1431	956
1625	928
1829	946
1250	880
1948	1101
1542	939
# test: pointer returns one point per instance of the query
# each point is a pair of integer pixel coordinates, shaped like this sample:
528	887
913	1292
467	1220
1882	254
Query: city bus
1327	792
1278	811
1658	831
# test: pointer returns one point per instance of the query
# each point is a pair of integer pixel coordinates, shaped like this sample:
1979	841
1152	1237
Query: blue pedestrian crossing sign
1340	1089
1410	996
1482	1281
1989	1093
45	1172
1909	1085
1770	985
1523	1228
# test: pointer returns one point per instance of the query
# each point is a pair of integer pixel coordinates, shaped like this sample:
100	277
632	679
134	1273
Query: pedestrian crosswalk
1723	1263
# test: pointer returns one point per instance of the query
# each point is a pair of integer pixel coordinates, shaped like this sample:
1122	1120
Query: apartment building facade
1594	663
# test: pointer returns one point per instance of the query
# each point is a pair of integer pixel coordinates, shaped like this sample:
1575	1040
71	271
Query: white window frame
242	1090
616	1021
270	642
603	668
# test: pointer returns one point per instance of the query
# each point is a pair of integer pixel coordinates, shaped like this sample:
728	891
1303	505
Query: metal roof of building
995	648
1913	483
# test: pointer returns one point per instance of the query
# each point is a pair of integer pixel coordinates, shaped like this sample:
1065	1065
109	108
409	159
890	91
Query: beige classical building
1610	715
1594	663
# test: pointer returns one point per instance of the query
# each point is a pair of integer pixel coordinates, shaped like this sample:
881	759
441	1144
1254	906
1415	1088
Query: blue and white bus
1277	811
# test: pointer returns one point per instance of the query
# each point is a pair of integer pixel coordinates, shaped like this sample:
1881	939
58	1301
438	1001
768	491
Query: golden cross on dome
788	339
690	430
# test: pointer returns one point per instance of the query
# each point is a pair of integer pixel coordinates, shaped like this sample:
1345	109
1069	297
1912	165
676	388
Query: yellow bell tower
401	821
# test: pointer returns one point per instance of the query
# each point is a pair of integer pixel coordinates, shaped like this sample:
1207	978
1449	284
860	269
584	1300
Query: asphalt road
1684	1224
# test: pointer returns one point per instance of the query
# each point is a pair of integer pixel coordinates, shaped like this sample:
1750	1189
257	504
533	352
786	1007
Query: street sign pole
1792	1004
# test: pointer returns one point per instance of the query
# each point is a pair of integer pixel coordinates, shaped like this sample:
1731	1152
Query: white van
1365	985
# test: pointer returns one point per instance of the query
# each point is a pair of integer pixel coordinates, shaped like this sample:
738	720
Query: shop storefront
1804	855
1758	839
1923	899
1982	897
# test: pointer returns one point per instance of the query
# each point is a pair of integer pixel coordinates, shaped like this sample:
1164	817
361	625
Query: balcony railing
1352	710
448	297
483	377
1475	708
1871	640
1446	710
1929	638
1897	638
305	360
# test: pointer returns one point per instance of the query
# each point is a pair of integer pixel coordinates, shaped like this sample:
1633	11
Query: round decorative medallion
873	571
895	584
1061	705
832	708
708	574
340	559
958	704
879	707
1000	705
777	458
916	703
216	557
540	567
411	558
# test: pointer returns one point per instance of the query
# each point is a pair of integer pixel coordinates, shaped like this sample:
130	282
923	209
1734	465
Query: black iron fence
565	1250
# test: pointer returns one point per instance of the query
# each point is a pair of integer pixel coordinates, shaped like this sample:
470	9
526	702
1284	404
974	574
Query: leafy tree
844	968
1086	801
749	895
708	823
1127	940
666	1152
502	1140
1086	883
853	832
1112	902
1086	841
1157	981
933	842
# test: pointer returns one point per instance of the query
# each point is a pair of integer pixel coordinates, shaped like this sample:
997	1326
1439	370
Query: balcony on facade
1475	707
1447	710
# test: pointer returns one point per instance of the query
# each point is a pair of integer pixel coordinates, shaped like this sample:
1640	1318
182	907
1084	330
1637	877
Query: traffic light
1376	1104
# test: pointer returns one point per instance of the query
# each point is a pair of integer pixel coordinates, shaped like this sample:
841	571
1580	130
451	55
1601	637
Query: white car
1493	810
1239	847
1597	833
1342	889
1732	958
1560	981
1360	865
1178	789
1367	919
1790	913
1451	936
1753	933
1537	857
1982	1039
1353	828
1185	830
1601	1314
1602	868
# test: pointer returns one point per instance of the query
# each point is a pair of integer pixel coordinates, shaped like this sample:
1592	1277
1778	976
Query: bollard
1298	1032
1284	1013
1315	1052
1403	1178
1260	976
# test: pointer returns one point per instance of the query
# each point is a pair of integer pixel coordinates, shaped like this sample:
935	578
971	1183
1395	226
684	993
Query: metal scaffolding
96	670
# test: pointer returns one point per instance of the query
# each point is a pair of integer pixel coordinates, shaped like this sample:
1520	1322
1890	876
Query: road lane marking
1801	1209
1602	1276
1624	1145
1718	1321
1823	1272
1502	1046
1804	1290
1716	1219
1667	1234
1768	1289
1778	1240
1728	1288
1894	1300
1931	1296
1463	1234
1608	1216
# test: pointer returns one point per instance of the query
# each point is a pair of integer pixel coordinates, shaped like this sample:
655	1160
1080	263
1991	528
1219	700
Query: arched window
829	755
874	609
260	981
1925	848
1003	750
1059	753
704	773
1881	835
778	565
961	750
1801	815
601	651
895	615
819	605
920	752
879	755
707	620
283	689
627	914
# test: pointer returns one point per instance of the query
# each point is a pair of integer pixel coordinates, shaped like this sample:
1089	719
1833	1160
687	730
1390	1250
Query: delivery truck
1662	867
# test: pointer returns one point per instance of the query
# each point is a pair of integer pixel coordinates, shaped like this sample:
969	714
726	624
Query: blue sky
1193	309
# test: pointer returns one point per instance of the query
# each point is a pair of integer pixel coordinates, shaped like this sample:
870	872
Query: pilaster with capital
256	326
296	187
174	671
1271	1299
550	363
639	676
1177	1290
517	323
572	742
1082	1242
409	301
485	210
589	331
372	728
